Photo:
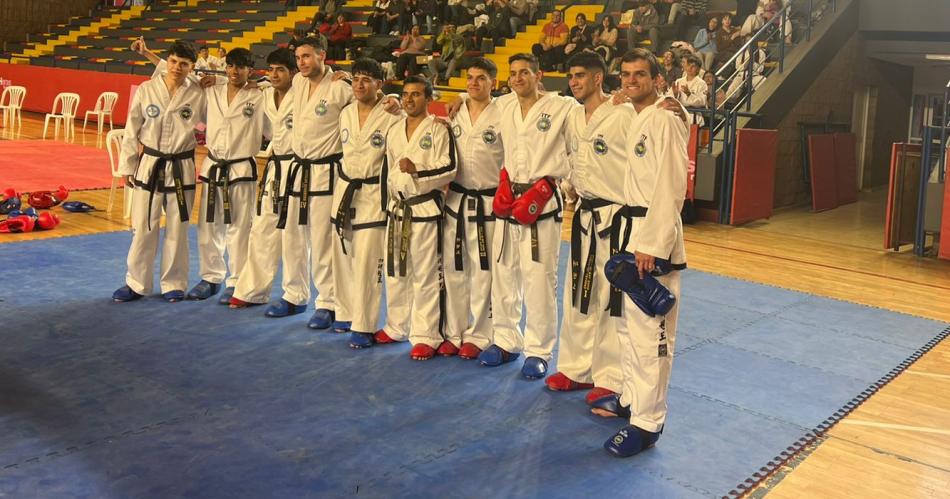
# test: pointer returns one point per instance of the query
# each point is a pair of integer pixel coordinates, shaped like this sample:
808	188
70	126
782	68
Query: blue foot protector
342	326
534	368
361	340
78	207
225	298
284	308
203	290
174	295
609	406
496	356
125	294
321	319
630	441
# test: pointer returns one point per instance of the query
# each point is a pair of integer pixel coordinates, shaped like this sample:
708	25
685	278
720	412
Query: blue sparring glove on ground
648	294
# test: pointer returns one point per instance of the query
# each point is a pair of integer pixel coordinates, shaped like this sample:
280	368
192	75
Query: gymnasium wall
20	17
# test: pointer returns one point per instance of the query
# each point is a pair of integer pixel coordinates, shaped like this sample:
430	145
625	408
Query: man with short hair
236	124
645	26
420	162
162	119
550	47
203	59
358	214
656	182
469	224
264	245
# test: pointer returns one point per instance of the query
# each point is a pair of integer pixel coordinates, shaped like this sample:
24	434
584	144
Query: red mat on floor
34	165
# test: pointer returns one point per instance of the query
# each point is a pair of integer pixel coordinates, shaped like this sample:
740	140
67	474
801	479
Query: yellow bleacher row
47	47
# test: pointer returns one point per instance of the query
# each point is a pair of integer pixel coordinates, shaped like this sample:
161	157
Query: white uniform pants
216	237
358	277
307	253
467	291
518	281
412	300
142	252
263	254
647	357
588	348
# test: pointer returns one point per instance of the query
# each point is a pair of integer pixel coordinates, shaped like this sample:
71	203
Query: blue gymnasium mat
194	400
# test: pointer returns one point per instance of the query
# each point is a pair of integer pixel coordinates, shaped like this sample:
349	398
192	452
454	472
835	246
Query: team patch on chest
426	141
248	110
186	113
641	148
600	145
544	122
489	136
152	111
289	122
377	139
321	108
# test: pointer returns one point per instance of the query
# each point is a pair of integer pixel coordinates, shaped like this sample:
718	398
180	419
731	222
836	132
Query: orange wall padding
824	175
753	183
43	83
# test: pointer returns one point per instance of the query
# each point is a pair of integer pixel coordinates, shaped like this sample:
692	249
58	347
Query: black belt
301	166
518	189
343	214
584	282
274	160
158	172
405	205
219	175
480	219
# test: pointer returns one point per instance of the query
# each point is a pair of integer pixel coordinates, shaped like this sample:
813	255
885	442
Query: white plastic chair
104	106
114	146
68	103
12	103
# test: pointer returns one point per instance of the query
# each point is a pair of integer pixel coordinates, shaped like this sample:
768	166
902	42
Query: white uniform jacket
432	149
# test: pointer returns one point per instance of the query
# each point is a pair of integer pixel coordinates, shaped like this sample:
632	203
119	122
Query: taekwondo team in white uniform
458	219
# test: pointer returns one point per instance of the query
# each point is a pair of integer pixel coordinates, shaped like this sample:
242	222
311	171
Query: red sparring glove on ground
47	220
503	196
22	223
528	207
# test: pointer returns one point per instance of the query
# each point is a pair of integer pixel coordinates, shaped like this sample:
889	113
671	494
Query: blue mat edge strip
806	444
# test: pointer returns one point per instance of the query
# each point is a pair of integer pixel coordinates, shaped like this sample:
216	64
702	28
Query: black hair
419	80
183	50
284	57
581	15
692	59
202	47
486	65
318	43
368	67
612	24
529	58
639	54
588	60
239	57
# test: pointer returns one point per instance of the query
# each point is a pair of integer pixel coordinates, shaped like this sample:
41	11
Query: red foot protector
48	199
469	351
597	393
422	352
383	338
559	382
447	349
21	223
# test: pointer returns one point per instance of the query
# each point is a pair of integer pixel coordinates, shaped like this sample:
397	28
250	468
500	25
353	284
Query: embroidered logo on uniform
344	135
322	107
152	111
289	122
641	148
544	122
600	145
426	141
456	130
185	113
489	136
248	110
377	140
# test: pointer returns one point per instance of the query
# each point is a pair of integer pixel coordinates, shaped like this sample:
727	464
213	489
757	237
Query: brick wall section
21	17
830	97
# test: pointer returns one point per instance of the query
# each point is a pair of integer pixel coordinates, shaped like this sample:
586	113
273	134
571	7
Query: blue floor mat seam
807	442
736	407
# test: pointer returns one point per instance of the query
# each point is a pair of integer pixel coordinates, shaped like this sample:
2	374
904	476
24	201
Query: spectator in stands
217	62
429	12
645	26
662	86
705	43
338	38
550	48
671	68
202	58
412	46
378	20
728	41
498	27
690	89
665	8
407	15
522	13
452	48
691	13
605	38
320	25
581	36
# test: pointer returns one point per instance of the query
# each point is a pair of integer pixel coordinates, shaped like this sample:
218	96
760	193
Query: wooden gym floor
897	444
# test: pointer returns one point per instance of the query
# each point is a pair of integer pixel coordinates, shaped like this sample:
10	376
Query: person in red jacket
339	36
